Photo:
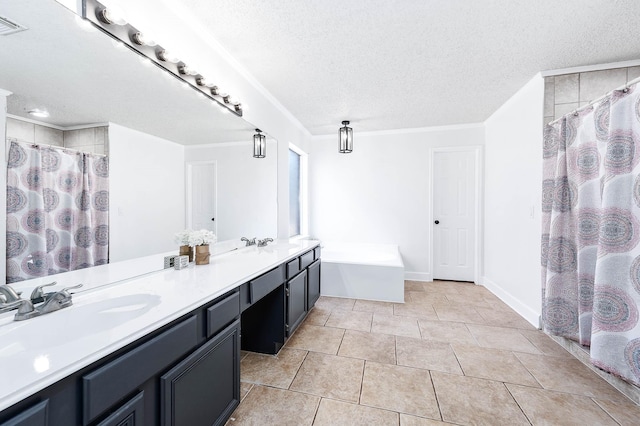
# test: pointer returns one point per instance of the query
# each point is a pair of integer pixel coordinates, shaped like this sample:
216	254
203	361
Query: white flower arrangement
192	238
202	237
182	237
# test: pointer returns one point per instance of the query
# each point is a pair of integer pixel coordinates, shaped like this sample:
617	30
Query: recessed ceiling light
39	113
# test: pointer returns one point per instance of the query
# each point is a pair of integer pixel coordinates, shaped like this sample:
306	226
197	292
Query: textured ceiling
392	64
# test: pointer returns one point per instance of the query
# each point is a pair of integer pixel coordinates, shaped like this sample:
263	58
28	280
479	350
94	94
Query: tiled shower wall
93	139
566	93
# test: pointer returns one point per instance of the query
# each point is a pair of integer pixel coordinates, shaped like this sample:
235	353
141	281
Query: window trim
304	192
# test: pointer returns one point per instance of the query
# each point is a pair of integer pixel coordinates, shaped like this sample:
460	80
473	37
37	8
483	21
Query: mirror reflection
176	160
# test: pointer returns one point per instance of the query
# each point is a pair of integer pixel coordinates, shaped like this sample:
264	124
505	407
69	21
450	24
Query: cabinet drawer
293	267
306	259
222	313
266	283
316	253
107	385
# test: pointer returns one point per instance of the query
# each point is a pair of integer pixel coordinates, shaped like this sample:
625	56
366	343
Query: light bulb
112	16
142	40
167	56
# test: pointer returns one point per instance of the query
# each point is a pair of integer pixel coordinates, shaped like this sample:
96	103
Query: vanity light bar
99	15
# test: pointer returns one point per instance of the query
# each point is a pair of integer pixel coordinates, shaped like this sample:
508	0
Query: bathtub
362	271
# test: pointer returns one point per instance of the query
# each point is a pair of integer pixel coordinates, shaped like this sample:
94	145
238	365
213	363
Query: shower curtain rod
37	145
575	111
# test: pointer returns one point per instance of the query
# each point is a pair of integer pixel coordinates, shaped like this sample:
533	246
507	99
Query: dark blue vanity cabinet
274	304
186	373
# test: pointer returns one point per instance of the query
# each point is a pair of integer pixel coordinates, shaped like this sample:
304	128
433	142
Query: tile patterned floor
452	354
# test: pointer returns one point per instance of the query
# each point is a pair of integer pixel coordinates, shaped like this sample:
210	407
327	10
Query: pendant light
259	145
346	138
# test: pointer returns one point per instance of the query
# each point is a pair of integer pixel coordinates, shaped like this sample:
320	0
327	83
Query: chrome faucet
249	242
54	302
263	243
10	295
37	295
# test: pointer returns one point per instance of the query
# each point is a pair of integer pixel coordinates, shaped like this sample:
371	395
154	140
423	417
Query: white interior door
454	215
201	196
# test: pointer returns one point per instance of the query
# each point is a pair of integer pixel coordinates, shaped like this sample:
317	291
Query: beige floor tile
350	320
244	389
243	354
415	309
503	318
277	371
369	346
271	406
442	287
625	413
445	331
545	344
428	297
333	412
399	326
332	303
407	420
457	312
317	316
373	307
544	407
330	376
493	364
401	389
468	400
413	285
317	339
509	339
569	375
426	354
467	298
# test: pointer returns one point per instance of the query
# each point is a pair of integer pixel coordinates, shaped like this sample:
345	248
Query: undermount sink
87	316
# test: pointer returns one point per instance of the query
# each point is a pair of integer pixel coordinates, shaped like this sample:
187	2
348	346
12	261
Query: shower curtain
591	231
57	211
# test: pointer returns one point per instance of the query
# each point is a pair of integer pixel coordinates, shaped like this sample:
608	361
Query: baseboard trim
418	276
525	311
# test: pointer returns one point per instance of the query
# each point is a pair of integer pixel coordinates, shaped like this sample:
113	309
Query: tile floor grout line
517	403
435	395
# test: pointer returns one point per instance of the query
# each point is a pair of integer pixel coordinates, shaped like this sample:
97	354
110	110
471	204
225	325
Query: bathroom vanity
163	348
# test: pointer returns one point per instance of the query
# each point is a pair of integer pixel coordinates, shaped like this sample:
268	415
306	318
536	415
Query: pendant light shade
259	145
346	138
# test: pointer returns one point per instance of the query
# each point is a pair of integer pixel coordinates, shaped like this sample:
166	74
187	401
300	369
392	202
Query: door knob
213	219
436	222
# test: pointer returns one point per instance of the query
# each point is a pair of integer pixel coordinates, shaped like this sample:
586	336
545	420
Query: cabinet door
204	389
296	301
34	416
130	414
314	284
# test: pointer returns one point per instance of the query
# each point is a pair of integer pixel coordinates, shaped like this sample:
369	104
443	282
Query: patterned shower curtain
591	231
57	211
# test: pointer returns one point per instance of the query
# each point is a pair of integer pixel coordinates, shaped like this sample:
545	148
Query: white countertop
41	351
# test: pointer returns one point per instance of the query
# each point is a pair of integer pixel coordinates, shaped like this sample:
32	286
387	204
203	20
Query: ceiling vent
9	27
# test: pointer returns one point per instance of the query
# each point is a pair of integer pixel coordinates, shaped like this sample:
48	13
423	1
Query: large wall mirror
160	133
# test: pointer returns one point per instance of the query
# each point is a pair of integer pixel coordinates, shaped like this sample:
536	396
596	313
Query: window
297	192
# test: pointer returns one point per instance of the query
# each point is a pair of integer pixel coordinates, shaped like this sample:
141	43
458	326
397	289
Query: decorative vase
202	254
187	251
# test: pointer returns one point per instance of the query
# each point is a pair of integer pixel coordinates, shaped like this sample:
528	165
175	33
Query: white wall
513	176
380	193
147	193
247	195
